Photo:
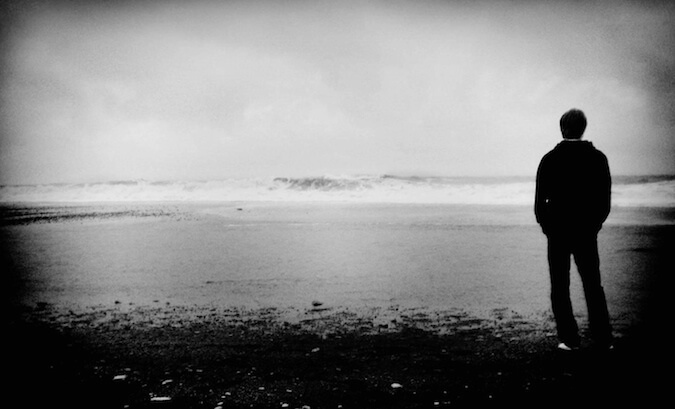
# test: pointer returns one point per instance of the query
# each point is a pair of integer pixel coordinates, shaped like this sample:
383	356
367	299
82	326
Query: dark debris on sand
81	361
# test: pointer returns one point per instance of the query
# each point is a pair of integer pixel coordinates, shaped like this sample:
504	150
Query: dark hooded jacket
573	192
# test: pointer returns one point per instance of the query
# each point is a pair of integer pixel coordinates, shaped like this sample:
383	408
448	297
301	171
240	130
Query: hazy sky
161	90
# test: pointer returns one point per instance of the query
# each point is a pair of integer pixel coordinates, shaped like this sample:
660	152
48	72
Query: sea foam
648	191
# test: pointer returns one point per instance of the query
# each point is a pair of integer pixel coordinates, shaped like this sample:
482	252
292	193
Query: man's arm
605	189
541	196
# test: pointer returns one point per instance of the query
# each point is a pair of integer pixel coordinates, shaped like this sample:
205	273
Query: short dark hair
573	124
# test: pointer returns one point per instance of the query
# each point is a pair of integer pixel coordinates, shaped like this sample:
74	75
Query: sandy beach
320	306
330	204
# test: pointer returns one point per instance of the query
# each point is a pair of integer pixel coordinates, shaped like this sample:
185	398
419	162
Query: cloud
176	90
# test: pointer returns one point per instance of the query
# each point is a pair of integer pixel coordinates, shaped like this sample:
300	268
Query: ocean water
359	243
475	258
642	191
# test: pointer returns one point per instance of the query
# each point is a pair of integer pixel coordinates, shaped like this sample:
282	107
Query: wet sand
330	354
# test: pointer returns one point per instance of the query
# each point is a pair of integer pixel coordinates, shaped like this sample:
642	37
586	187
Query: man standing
572	201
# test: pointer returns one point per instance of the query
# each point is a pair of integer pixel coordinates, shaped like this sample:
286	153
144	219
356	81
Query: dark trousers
584	248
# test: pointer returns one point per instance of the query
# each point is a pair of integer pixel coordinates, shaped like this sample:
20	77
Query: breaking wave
649	191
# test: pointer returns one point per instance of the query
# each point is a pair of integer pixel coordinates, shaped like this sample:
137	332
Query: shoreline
118	342
28	213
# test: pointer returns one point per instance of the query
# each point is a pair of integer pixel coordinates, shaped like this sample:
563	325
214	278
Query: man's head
573	124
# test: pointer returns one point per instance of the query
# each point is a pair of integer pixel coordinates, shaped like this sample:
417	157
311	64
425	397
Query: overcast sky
159	90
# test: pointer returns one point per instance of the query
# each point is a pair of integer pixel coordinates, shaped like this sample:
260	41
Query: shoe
567	347
603	347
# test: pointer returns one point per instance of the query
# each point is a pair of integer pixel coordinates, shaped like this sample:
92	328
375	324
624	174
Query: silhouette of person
572	201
